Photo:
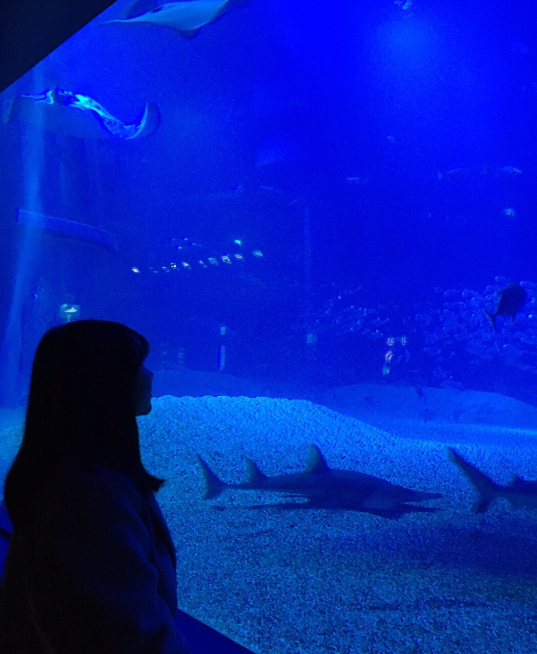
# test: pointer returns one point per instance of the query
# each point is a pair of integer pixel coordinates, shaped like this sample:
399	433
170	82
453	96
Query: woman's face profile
142	391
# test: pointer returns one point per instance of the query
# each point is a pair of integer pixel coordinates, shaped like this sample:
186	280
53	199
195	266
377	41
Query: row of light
211	261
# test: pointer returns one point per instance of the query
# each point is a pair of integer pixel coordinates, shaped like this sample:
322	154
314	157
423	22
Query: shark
185	18
323	487
520	493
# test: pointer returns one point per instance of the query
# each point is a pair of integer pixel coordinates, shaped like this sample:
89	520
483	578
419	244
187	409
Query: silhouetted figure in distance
91	563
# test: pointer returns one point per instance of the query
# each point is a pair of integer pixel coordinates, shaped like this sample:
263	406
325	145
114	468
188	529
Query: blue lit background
274	107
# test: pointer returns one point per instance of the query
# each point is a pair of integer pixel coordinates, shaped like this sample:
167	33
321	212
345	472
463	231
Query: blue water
334	195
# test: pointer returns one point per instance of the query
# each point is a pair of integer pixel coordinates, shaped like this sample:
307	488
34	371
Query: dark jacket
92	573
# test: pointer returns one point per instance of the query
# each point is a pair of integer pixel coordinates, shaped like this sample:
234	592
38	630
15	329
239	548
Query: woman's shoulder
96	483
91	504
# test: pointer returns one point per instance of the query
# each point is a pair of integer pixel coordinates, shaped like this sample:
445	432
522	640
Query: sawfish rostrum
324	487
184	18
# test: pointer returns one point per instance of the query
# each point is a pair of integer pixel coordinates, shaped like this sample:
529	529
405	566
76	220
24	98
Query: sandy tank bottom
319	581
325	581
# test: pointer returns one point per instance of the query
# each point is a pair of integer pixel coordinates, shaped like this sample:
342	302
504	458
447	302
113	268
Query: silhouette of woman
91	563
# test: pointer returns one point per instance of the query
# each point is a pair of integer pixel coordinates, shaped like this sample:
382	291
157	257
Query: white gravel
313	581
320	581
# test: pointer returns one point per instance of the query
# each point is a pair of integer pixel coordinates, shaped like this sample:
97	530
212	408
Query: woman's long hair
80	409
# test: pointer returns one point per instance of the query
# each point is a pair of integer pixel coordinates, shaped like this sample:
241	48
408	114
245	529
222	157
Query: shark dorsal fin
316	463
254	474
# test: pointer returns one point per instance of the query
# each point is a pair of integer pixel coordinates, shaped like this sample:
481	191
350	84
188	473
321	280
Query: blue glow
410	42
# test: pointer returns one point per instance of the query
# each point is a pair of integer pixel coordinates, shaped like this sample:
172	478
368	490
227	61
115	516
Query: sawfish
184	18
324	488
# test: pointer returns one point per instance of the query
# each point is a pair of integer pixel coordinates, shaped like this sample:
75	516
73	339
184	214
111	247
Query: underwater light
203	263
69	311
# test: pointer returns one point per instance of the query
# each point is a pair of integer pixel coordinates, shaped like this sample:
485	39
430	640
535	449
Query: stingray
184	18
21	108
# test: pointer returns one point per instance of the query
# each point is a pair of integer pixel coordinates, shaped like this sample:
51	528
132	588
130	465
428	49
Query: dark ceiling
31	29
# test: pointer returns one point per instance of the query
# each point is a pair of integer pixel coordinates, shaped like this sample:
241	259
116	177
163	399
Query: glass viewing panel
322	217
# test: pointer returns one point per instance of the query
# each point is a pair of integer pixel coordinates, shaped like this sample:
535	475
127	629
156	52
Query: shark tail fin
492	319
254	474
214	485
486	488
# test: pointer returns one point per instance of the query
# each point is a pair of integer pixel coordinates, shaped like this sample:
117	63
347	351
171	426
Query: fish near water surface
324	487
512	299
184	18
520	493
510	171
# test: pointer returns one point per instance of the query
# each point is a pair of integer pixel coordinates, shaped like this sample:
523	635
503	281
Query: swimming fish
483	170
509	170
512	299
520	493
148	123
324	487
455	172
20	108
184	18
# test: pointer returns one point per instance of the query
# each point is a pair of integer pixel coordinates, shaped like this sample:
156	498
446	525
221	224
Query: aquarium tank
322	217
